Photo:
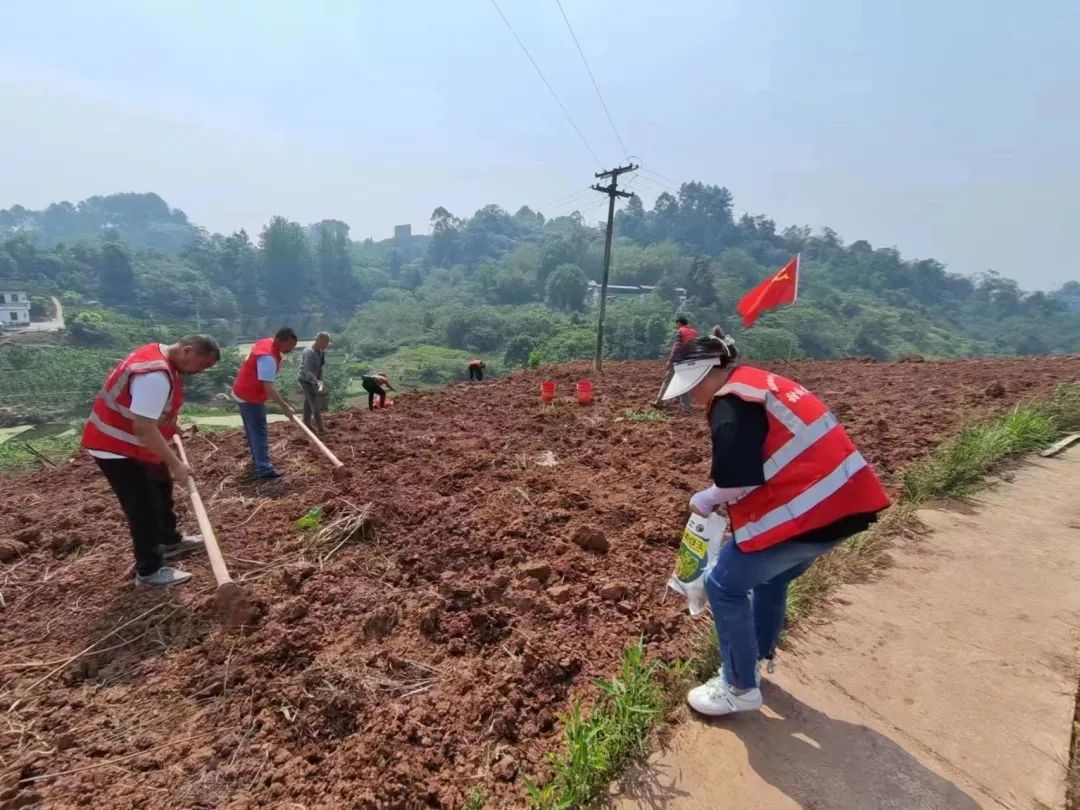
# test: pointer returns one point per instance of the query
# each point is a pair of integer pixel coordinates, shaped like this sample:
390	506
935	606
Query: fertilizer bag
701	541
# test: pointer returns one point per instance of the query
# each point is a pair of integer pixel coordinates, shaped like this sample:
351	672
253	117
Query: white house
14	304
615	291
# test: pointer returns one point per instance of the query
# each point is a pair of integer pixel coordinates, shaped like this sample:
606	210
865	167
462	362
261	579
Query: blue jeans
748	596
258	439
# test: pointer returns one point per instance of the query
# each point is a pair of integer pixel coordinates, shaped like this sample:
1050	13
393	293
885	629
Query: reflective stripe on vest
110	394
803	503
799	442
797	498
114	432
784	415
110	426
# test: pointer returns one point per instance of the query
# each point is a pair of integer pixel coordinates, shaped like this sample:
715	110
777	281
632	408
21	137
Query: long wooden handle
217	562
315	440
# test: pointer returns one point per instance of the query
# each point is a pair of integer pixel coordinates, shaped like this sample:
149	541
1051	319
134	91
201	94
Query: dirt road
947	683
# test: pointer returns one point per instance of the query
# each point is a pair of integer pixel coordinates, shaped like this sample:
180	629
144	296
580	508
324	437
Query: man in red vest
476	370
127	434
685	335
255	384
794	485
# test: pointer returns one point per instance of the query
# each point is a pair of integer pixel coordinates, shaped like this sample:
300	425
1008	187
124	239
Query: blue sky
946	129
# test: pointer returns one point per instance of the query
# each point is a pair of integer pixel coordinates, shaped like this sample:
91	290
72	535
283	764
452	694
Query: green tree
335	267
518	350
699	283
117	275
566	288
286	260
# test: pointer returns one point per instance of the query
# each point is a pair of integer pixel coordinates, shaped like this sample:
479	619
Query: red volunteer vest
814	474
247	386
685	336
111	427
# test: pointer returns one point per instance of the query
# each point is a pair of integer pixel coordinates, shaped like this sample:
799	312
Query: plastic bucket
584	392
547	391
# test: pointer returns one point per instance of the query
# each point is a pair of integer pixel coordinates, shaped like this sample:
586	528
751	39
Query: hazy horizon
945	132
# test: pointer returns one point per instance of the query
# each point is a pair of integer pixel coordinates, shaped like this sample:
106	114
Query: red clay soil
519	547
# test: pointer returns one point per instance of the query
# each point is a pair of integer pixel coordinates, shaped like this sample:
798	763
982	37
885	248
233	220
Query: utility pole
612	191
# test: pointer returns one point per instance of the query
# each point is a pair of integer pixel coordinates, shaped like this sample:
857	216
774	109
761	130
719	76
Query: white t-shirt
149	396
266	370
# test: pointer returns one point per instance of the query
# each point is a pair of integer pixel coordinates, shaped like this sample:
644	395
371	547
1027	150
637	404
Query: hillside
514	287
422	660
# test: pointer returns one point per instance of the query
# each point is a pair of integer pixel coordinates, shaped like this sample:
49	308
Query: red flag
777	290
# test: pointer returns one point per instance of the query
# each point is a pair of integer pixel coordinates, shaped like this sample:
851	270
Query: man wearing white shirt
127	434
256	382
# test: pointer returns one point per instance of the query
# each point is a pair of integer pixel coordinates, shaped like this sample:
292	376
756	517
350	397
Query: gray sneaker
163	577
188	544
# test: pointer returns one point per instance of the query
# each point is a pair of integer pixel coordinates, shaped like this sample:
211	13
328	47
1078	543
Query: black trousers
476	373
374	390
145	494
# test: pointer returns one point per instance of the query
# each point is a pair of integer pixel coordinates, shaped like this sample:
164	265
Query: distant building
14	304
616	291
402	234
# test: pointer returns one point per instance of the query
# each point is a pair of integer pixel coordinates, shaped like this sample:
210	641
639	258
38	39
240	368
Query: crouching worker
128	435
376	385
476	370
794	485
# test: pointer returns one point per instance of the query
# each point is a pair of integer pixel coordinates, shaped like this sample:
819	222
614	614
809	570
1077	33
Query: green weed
311	520
599	743
476	801
643	416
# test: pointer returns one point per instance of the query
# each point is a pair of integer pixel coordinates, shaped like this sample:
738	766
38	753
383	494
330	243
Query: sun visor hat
688	374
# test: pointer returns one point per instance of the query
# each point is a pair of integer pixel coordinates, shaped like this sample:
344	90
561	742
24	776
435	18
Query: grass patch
958	466
601	742
643	416
476	801
14	455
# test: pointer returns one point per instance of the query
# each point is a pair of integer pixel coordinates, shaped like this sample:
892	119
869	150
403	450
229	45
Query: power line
547	84
572	195
662	176
588	70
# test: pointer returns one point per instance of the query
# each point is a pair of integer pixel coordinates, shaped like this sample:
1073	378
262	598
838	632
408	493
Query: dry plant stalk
355	524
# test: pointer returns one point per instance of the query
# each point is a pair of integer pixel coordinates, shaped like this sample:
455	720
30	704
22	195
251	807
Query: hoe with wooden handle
339	472
230	600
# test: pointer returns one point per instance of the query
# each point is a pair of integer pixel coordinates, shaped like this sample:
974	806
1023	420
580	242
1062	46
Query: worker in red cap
794	486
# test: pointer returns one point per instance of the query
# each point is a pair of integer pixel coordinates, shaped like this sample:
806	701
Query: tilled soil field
516	549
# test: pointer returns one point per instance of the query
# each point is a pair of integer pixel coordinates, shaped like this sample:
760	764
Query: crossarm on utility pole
612	191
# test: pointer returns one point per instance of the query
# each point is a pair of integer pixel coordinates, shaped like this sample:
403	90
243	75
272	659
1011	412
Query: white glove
705	502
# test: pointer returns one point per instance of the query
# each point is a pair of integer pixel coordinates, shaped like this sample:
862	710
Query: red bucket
584	392
547	391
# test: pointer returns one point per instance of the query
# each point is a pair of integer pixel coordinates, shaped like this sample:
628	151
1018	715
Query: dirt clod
536	570
590	538
612	591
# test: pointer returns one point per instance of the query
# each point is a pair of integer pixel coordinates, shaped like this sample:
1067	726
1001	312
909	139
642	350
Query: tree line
513	286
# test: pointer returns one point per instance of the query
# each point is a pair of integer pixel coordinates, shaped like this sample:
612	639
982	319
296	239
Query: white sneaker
715	698
757	672
163	577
